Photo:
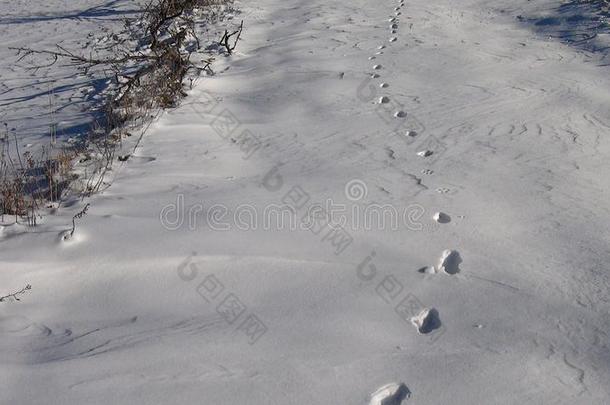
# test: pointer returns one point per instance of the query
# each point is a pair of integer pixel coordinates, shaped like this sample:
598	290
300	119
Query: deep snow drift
278	239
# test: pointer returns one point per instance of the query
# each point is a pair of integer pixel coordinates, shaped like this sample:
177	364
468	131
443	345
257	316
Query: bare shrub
148	63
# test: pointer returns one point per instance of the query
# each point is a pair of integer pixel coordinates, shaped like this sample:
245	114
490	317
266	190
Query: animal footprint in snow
374	76
427	270
412	134
381	47
383	85
442	190
394	26
393	39
424	153
377	67
441	218
449	262
390	394
384	100
427	171
400	114
426	321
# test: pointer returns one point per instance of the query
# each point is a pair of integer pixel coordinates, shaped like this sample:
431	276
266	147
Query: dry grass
149	63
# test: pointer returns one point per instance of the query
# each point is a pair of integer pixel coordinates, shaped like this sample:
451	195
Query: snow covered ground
181	285
33	100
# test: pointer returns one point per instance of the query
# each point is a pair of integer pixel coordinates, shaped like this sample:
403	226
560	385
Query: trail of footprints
394	25
428	319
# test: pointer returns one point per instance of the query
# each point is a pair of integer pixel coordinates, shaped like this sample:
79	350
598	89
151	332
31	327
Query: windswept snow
202	275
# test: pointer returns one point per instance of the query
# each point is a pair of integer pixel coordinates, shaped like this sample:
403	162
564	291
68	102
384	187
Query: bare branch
15	295
224	41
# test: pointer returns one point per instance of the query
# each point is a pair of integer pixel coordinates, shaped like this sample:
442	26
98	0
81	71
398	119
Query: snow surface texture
161	297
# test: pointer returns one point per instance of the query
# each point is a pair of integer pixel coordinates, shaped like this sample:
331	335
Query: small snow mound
449	262
390	394
9	230
66	238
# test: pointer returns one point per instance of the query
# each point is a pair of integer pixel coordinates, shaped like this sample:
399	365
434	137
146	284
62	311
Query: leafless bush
148	62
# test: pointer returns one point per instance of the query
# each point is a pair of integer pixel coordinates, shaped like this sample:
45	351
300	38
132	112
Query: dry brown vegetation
149	62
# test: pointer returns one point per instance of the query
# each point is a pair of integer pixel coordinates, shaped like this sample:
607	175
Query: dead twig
224	41
79	215
15	295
